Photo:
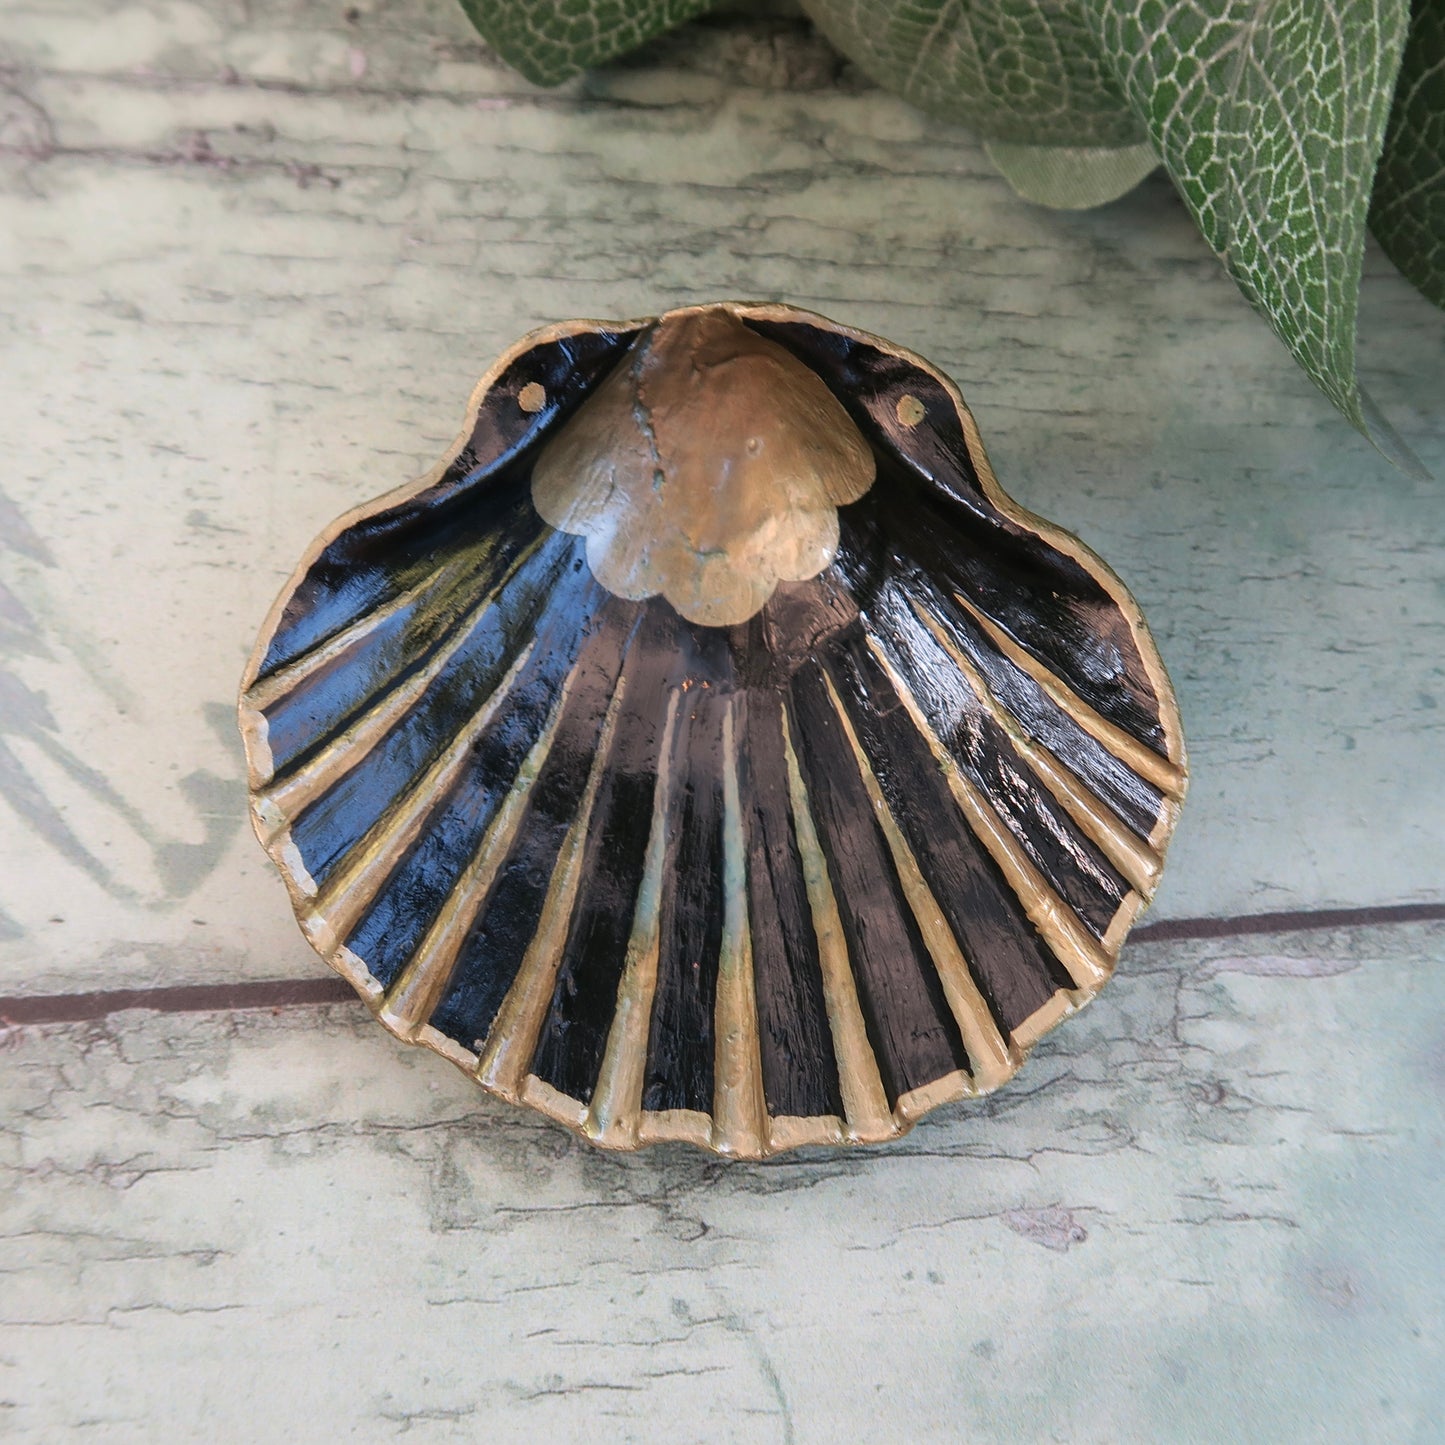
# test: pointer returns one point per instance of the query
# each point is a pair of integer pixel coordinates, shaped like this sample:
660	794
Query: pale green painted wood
251	261
254	261
1208	1210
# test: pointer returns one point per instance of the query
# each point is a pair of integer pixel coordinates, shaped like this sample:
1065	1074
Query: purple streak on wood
298	992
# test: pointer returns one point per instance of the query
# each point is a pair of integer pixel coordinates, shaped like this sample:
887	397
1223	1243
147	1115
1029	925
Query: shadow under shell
796	879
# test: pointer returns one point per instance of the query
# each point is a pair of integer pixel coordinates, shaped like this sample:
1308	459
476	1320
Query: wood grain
1209	1204
316	235
253	259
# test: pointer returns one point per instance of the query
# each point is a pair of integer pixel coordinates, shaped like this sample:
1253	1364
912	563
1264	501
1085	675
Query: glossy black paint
1054	843
542	599
681	1044
413	895
498	939
305	717
1015	972
1136	801
910	1026
800	1073
381	555
943	522
574	1038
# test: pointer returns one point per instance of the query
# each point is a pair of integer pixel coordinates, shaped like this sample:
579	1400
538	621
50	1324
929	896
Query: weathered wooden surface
252	259
1208	1210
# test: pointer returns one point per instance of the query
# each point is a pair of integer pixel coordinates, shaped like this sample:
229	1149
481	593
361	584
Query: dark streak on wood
22	1011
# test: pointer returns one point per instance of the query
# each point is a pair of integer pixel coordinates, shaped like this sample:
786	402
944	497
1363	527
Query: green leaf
1270	116
1026	71
550	41
1072	178
1408	212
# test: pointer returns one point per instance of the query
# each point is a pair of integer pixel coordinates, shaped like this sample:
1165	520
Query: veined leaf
1026	71
1270	115
550	41
1072	178
1408	212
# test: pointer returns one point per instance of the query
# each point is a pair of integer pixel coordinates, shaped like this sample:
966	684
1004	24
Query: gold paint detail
275	685
740	1116
512	1041
297	790
1114	935
260	760
1165	776
414	996
1130	854
792	1131
991	1061
532	397
288	857
616	1109
708	467
913	1105
865	1105
351	886
545	1099
438	1043
1088	965
910	411
676	1126
351	967
1043	1018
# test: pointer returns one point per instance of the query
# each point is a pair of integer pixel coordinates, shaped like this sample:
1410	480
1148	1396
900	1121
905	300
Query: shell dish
708	749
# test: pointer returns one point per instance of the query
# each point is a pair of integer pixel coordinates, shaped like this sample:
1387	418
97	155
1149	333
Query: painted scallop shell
708	749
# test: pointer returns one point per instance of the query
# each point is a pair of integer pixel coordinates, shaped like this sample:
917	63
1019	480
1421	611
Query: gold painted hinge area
707	468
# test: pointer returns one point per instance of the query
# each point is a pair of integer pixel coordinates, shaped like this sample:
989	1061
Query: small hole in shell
532	397
910	410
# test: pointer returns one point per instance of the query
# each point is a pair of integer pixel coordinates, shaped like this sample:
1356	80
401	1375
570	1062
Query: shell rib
708	749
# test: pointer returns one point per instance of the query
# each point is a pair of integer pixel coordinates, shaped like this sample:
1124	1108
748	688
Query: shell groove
792	880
